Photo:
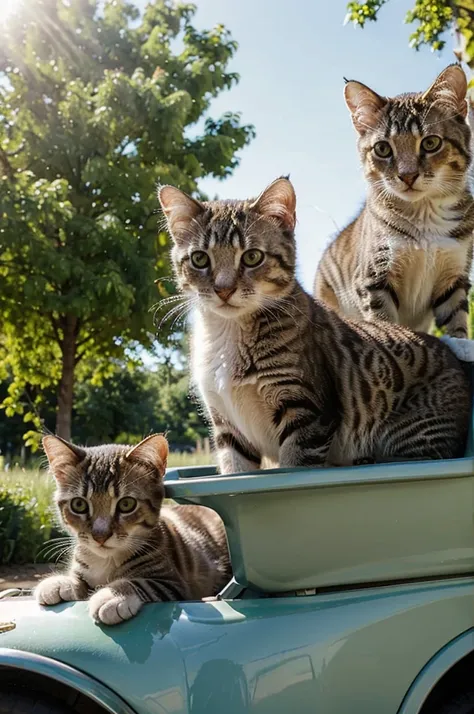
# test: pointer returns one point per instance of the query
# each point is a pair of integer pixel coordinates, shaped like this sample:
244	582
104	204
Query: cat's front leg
378	300
377	296
305	433
123	598
115	603
451	308
61	588
234	452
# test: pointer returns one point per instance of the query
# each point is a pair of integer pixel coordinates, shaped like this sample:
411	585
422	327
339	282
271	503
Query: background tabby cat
283	377
406	257
128	549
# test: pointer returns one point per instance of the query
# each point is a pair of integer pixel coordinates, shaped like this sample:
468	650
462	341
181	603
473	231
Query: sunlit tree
96	106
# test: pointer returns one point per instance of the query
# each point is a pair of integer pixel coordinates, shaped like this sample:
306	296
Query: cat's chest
223	371
221	359
227	379
430	252
421	271
100	571
436	219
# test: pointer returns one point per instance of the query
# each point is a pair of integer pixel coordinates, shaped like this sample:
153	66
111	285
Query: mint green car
353	593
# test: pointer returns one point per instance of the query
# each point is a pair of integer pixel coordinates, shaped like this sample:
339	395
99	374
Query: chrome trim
12	592
60	672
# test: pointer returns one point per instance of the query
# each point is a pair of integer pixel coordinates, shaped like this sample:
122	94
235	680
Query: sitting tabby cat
406	257
284	377
129	548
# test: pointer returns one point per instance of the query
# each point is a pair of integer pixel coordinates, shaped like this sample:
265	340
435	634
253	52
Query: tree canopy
97	106
432	19
134	402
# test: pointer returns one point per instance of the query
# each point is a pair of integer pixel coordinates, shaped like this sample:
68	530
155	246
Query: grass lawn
39	484
176	459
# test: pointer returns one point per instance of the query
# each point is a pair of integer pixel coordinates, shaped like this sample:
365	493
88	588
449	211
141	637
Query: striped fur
284	378
121	561
406	258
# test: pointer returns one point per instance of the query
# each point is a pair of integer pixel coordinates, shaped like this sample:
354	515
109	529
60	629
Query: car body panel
381	522
454	652
356	652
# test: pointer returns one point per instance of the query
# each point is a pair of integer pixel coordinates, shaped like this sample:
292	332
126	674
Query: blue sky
292	57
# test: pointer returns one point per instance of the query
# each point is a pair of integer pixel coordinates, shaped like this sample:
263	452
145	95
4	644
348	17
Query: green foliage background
432	19
27	521
98	104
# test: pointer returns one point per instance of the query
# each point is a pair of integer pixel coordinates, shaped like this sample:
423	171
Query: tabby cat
284	377
129	549
406	257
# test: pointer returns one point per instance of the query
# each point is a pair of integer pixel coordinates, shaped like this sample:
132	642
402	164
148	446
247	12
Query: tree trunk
69	325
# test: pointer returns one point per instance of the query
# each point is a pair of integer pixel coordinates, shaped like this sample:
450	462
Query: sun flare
9	7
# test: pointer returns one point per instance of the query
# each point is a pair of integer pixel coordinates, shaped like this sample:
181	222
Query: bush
27	520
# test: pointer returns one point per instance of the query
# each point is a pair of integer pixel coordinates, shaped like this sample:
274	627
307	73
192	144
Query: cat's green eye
253	257
126	504
200	259
431	143
383	149
79	505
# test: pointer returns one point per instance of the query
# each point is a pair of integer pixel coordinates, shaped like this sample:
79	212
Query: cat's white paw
463	349
109	607
57	588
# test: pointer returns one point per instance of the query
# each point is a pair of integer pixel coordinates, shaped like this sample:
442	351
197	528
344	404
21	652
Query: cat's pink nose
408	178
224	293
100	537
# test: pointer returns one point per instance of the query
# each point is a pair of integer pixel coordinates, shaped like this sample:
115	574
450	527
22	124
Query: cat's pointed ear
364	105
278	201
180	211
450	89
61	456
153	450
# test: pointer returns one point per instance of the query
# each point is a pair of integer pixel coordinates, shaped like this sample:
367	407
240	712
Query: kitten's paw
58	588
110	607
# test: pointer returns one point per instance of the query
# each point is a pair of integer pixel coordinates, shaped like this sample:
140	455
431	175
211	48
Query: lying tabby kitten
129	549
406	257
284	377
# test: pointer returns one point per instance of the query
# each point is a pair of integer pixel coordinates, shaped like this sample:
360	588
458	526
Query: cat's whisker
186	305
179	318
130	483
166	301
168	304
448	118
183	312
248	228
54	543
268	311
291	307
49	553
66	552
